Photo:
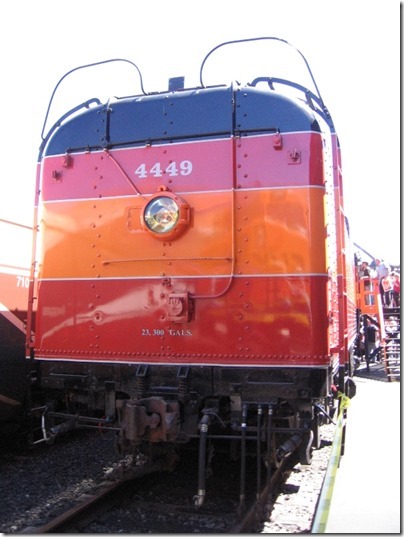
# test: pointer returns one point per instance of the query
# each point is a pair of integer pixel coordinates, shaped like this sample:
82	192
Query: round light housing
161	214
166	216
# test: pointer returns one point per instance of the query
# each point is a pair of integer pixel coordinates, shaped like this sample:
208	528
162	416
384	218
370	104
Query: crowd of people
389	281
369	338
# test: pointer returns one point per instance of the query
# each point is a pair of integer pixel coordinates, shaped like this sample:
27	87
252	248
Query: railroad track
85	505
112	509
163	503
157	503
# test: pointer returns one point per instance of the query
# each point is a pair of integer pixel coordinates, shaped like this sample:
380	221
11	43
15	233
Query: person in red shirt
395	278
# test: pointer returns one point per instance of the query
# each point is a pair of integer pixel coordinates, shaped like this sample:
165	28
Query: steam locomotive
193	278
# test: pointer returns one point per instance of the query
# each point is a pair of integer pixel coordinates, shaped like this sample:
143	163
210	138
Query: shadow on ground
375	371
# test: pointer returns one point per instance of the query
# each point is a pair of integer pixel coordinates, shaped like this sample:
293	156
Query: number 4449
173	169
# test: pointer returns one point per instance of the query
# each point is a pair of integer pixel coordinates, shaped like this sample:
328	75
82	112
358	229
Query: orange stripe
105	238
279	231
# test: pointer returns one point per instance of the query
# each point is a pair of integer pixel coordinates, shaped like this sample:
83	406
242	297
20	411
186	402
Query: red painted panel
297	161
14	291
246	283
128	172
186	167
260	320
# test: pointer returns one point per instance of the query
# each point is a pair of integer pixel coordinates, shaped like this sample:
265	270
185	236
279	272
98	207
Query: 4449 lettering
176	332
184	167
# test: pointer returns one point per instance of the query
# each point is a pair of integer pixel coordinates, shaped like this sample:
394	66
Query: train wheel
306	449
316	431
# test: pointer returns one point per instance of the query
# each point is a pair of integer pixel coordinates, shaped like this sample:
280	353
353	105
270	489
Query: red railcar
15	248
192	265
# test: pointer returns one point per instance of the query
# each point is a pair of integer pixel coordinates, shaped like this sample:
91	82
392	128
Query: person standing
395	277
364	270
382	271
371	346
387	285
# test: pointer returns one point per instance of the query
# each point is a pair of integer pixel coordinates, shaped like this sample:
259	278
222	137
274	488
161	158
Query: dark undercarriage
155	404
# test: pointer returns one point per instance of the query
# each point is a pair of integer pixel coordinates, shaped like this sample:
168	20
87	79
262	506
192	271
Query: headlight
161	214
166	216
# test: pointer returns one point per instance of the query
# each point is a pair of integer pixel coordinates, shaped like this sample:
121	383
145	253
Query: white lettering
23	281
179	332
172	170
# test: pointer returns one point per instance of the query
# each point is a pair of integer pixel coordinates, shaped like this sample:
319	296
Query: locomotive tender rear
190	258
249	272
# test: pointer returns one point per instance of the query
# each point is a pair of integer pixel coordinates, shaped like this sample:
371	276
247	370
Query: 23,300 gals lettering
170	332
